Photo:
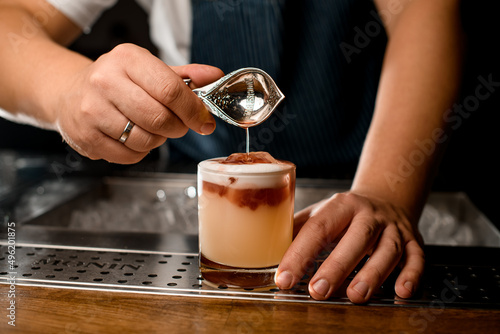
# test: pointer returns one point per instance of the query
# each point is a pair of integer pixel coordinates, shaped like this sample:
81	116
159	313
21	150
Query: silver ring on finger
126	132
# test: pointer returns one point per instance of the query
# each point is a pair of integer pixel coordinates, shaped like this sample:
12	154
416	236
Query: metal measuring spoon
245	97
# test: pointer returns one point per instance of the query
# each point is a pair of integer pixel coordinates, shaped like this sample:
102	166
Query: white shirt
170	30
169	21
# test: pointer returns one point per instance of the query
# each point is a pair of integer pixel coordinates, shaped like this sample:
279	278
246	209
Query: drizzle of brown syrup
249	158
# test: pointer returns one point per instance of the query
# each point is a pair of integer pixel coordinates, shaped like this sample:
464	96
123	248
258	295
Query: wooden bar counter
54	310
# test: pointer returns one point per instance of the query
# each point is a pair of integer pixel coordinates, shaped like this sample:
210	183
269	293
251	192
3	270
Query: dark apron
324	55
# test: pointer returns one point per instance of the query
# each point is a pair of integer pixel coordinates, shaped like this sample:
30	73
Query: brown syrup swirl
250	158
251	198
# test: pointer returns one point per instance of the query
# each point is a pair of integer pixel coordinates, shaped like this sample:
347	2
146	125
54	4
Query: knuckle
394	245
94	144
191	117
340	197
346	200
125	49
167	125
320	226
418	254
159	122
163	123
170	91
358	202
147	144
120	49
87	108
299	260
296	256
368	229
337	266
150	142
350	197
409	273
99	79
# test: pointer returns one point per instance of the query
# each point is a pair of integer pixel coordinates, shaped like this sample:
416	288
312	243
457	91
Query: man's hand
362	226
91	102
130	84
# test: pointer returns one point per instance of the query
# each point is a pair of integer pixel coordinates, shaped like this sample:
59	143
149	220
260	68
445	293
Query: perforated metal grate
134	271
178	274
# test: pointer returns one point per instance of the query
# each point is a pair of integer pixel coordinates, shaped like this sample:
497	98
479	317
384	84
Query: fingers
164	85
412	271
130	84
118	152
365	227
103	142
319	231
101	146
358	240
146	112
301	217
375	271
138	139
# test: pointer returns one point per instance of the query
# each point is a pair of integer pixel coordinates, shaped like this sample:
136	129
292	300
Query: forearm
419	81
33	64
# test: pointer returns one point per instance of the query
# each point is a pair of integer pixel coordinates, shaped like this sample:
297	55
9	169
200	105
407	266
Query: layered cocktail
245	211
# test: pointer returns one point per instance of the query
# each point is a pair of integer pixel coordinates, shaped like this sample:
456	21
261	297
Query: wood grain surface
54	310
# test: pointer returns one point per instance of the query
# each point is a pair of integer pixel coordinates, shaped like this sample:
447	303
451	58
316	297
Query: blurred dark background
469	164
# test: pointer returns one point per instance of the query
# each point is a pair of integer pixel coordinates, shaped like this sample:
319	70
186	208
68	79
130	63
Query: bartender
367	87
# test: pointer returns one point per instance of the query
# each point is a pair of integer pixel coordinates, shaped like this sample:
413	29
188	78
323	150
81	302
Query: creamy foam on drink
242	164
246	209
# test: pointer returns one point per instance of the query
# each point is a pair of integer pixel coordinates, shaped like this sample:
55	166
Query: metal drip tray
136	271
450	285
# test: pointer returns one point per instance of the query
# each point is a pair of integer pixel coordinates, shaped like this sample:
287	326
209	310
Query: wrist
406	198
63	75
